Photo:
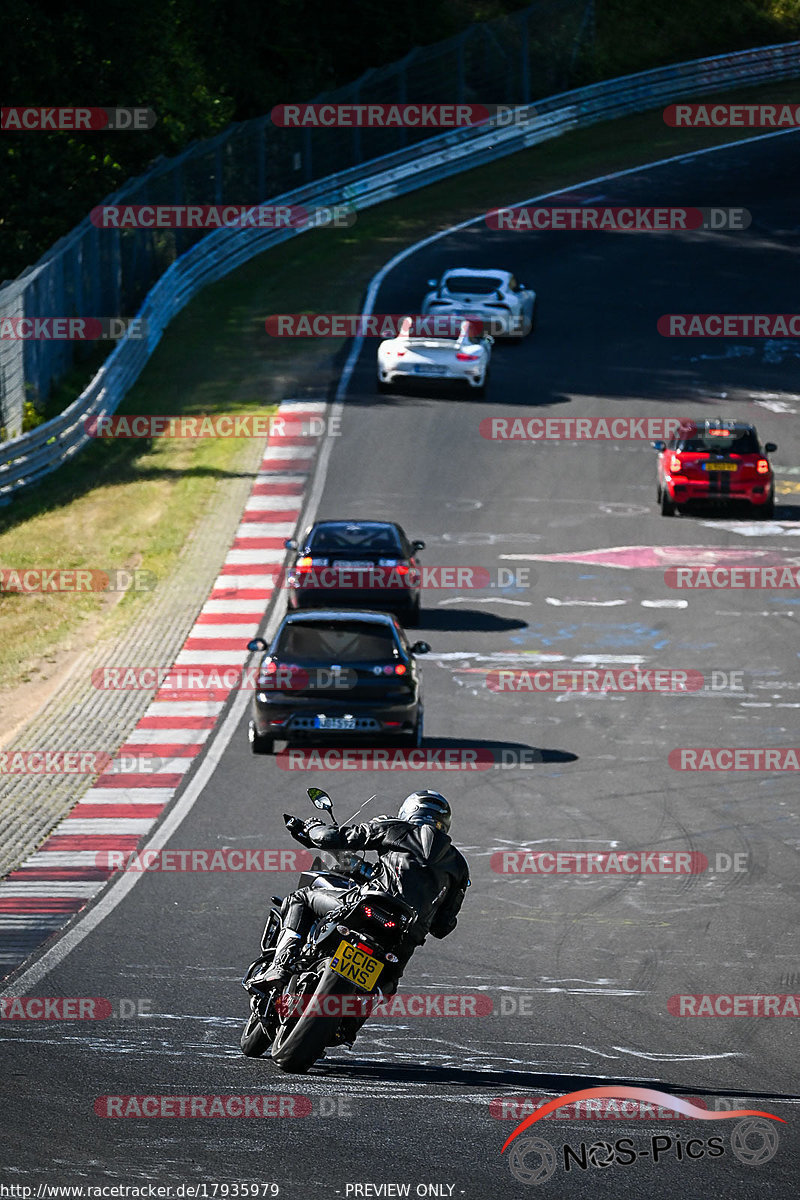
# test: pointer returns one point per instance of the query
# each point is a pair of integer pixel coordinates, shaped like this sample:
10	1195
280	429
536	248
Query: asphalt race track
579	968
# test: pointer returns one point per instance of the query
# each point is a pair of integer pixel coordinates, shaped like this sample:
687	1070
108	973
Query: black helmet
426	808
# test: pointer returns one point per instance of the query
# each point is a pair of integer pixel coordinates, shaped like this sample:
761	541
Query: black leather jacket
419	863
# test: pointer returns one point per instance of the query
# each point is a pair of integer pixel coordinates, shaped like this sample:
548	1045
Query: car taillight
364	947
400	669
303	564
762	466
466	355
269	668
674	463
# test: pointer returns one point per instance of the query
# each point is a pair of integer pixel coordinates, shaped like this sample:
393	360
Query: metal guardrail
27	459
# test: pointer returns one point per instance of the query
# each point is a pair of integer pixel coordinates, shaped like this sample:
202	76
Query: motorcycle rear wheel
299	1044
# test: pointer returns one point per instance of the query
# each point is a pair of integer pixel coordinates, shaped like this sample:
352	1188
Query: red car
715	462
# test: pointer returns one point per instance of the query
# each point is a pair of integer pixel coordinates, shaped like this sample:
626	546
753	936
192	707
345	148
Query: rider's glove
311	826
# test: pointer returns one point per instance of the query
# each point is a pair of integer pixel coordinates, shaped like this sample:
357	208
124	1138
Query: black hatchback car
359	564
341	673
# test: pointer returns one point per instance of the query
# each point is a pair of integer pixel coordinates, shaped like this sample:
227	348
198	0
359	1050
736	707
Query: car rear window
735	442
472	284
339	642
350	539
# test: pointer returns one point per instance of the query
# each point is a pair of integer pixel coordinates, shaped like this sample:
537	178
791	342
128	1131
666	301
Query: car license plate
425	369
356	966
709	466
342	564
334	722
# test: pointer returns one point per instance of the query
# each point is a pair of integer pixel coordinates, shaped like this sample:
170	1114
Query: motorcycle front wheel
254	1041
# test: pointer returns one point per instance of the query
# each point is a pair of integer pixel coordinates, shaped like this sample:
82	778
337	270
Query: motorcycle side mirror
257	644
320	799
420	648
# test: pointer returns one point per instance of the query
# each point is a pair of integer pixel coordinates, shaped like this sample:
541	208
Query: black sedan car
336	672
358	564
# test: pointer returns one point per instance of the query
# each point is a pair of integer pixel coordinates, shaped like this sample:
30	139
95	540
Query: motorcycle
358	951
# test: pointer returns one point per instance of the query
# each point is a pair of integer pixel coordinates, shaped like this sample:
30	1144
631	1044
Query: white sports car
461	354
507	307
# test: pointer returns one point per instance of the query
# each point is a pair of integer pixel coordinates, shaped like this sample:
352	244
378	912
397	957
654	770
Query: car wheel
412	614
417	735
767	511
667	507
481	391
384	387
259	742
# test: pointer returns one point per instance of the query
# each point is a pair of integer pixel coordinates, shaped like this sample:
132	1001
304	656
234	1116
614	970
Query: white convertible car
507	307
461	354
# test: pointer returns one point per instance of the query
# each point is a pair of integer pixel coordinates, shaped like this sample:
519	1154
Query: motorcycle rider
417	862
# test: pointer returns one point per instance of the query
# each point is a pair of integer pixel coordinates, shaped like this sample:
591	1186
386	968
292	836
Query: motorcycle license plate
720	466
356	966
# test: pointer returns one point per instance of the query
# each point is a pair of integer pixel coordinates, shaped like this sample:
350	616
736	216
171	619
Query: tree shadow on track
363	1070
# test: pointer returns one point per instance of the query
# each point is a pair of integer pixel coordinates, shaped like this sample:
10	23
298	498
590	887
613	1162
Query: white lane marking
241	608
279	529
104	825
166	737
484	600
185	708
113	795
664	603
226	631
252	557
583	603
47	889
66	858
207	658
756	529
776	406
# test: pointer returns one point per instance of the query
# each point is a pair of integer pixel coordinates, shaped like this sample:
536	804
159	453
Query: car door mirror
257	644
417	545
290	544
659	445
420	648
770	448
